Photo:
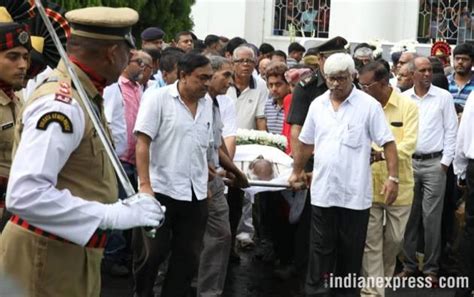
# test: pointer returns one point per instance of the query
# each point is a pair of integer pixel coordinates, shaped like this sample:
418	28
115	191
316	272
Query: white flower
245	136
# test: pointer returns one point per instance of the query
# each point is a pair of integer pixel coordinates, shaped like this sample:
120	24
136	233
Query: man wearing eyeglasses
340	126
249	94
121	102
309	88
383	241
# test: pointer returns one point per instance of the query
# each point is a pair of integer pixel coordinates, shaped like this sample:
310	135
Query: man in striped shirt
279	88
461	83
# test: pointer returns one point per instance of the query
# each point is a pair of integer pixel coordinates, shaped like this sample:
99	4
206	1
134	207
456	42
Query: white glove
140	210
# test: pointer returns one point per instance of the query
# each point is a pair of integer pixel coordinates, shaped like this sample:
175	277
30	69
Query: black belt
427	156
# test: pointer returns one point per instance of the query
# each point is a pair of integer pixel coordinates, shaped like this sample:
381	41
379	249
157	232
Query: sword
122	176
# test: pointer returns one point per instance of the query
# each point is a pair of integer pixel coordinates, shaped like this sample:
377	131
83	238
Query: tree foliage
170	15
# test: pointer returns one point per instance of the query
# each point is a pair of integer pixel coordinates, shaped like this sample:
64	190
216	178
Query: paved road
253	278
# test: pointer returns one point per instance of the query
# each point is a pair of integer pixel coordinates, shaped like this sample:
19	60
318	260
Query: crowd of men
386	151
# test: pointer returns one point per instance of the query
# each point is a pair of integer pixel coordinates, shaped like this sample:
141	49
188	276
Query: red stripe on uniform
15	219
24	224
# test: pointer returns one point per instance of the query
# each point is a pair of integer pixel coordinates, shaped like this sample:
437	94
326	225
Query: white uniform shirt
115	114
178	152
437	123
32	192
34	82
465	139
342	143
250	104
228	116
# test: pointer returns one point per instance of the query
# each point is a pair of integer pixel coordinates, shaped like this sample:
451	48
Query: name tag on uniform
397	124
6	125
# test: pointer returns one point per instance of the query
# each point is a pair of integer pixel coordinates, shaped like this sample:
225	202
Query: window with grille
451	20
308	18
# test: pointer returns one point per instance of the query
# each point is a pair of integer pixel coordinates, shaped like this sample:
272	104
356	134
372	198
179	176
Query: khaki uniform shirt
9	110
61	170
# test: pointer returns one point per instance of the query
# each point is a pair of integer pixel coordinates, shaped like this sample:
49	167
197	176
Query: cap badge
23	37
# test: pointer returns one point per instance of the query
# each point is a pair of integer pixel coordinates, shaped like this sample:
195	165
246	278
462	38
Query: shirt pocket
7	129
202	134
352	136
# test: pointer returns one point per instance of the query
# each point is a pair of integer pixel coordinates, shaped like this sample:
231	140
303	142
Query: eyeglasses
244	61
367	86
339	79
139	62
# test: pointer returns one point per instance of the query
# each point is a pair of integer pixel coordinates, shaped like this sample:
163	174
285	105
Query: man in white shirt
340	127
249	95
464	168
217	238
174	134
433	155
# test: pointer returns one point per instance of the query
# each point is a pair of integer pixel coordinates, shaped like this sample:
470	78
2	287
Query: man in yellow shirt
383	244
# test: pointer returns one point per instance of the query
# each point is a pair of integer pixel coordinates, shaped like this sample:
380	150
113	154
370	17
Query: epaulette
308	80
56	84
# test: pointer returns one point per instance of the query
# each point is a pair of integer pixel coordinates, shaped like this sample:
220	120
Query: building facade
310	22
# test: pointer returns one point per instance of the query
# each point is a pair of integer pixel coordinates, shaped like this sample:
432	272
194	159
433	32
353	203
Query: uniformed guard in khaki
14	40
9	108
46	266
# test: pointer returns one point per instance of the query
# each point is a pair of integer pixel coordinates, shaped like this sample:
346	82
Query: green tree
172	16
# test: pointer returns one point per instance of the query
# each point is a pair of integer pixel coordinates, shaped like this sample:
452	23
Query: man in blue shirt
461	82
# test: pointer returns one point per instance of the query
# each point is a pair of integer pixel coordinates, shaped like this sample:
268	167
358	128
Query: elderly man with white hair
340	127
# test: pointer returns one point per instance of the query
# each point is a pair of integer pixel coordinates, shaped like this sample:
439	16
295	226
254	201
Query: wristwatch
394	179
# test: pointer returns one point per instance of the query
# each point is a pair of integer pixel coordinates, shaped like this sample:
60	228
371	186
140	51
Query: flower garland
245	136
406	45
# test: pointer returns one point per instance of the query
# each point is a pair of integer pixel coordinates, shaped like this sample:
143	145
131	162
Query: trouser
302	239
46	267
235	198
337	240
425	216
181	235
383	243
216	243
246	229
467	241
4	214
274	212
450	233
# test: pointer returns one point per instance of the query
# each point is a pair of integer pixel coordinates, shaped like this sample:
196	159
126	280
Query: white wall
245	18
220	17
